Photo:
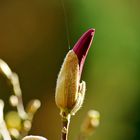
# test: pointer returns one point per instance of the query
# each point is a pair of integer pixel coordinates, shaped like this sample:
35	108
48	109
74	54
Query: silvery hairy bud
70	92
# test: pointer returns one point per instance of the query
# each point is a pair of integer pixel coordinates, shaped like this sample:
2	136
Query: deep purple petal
82	46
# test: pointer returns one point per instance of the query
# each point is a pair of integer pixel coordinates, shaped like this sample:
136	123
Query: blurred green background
33	41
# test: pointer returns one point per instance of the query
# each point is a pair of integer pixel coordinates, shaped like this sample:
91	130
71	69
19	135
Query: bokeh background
33	41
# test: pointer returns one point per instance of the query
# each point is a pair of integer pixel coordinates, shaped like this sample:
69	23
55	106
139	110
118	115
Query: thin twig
65	127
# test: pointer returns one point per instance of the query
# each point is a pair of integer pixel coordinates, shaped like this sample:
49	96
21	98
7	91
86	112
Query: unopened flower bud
13	100
27	125
33	106
70	92
90	123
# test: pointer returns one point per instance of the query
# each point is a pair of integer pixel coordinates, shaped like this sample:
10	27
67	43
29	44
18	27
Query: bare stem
65	126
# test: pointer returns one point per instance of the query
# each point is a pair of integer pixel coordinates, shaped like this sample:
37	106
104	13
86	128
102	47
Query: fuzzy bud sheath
68	82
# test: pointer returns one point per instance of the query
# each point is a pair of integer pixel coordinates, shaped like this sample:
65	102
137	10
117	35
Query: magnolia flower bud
70	92
34	138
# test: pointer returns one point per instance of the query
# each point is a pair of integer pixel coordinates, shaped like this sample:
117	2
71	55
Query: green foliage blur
33	41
